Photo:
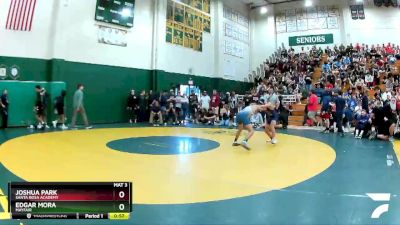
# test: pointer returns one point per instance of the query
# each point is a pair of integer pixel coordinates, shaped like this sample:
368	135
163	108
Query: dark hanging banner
361	12
354	12
387	3
378	3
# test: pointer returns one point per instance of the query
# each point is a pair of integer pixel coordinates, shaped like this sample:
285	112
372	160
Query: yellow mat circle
223	173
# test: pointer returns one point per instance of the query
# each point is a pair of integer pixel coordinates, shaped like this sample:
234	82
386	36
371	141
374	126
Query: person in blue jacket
327	68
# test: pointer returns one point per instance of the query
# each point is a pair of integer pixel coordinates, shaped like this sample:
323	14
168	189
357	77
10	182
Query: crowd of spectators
357	86
346	88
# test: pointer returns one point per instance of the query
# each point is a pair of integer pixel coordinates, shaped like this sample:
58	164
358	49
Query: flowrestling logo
381	209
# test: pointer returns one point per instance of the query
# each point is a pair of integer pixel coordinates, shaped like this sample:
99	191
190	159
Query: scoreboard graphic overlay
49	200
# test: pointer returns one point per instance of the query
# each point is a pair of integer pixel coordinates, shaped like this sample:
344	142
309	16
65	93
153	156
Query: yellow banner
198	21
198	4
178	34
179	13
198	41
206	6
206	23
170	10
188	38
189	16
169	31
186	21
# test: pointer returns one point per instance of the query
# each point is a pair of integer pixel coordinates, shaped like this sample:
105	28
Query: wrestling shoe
235	143
245	145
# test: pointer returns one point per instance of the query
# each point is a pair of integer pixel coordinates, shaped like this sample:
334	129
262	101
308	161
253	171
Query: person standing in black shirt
284	111
163	102
40	107
340	103
60	110
4	108
143	106
365	100
153	96
194	105
247	99
45	101
133	107
387	121
149	102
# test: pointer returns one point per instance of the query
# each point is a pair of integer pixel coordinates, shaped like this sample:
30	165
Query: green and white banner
311	40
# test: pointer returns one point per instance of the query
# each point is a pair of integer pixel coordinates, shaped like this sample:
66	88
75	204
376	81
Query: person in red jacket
215	101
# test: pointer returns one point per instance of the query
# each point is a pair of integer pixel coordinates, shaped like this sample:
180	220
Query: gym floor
194	175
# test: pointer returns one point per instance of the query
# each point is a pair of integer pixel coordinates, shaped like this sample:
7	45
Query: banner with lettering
311	39
186	22
354	12
312	18
188	38
112	36
207	6
361	12
170	31
198	41
206	23
178	34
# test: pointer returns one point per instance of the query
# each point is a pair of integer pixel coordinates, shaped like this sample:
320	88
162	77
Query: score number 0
121	195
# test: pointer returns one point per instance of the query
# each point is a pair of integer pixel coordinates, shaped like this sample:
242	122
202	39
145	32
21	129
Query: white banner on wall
236	62
322	11
244	21
237	27
280	18
227	13
228	48
229	68
333	23
301	14
312	18
333	12
313	24
312	12
237	33
290	14
291	25
236	16
322	23
302	25
112	36
281	27
234	49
